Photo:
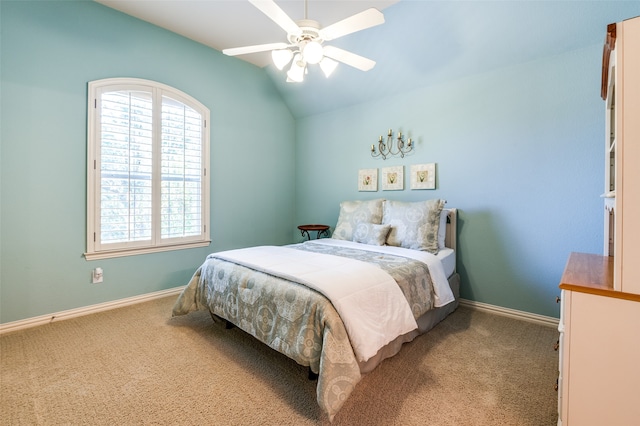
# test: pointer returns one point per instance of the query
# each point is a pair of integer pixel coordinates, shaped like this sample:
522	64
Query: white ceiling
422	42
223	24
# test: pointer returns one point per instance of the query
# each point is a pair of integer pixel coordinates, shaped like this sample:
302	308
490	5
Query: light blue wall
518	151
50	50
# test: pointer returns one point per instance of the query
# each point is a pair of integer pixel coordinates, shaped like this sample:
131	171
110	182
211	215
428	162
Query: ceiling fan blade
234	51
277	15
360	21
351	59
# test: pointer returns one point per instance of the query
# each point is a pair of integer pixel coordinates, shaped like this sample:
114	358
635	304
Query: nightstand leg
305	233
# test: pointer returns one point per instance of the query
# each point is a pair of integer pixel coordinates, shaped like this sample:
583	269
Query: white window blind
148	151
126	167
181	210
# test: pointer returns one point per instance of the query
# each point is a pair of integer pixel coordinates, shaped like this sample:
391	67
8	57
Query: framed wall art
393	178
423	176
368	180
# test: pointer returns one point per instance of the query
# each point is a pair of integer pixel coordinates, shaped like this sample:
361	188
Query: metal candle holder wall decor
388	149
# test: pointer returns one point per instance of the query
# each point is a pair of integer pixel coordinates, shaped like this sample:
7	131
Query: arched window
147	162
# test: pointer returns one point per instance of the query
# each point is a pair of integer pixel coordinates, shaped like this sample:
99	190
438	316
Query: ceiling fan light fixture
312	52
281	57
296	72
327	66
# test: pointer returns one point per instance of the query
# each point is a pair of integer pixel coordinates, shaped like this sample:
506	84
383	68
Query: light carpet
138	366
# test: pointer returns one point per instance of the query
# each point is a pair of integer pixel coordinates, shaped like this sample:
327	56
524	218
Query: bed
399	260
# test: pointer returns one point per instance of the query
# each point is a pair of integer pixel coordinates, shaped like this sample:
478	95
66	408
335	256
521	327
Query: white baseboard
511	313
92	309
85	310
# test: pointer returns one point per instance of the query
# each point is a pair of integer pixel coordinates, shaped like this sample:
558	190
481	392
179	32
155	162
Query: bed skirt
425	323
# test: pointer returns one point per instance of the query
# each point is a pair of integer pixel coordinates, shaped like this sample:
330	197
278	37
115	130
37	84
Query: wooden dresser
599	380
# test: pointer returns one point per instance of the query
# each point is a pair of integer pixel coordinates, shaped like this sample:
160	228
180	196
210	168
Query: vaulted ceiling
422	42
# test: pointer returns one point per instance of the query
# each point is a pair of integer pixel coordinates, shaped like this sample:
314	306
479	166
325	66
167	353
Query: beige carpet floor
138	366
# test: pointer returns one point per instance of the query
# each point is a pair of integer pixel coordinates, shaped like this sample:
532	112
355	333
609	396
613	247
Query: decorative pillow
442	229
353	213
414	225
369	233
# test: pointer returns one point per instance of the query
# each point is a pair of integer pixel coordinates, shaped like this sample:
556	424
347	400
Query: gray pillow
353	213
369	233
413	225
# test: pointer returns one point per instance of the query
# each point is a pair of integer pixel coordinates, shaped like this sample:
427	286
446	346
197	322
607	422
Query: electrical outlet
97	275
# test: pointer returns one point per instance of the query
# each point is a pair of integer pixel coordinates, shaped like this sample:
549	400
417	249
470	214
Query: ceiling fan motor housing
309	31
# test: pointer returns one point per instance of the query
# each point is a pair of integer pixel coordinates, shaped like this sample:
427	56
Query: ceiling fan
306	39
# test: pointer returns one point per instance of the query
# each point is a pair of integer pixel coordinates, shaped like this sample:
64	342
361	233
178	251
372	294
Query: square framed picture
423	176
393	178
368	180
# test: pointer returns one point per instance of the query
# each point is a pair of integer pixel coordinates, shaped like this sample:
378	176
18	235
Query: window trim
95	250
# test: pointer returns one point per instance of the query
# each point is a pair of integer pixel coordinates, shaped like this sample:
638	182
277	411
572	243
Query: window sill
144	250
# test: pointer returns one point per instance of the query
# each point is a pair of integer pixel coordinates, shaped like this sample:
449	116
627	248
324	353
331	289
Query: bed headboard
452	227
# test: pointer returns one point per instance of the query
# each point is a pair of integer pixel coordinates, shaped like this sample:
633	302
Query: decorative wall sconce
388	149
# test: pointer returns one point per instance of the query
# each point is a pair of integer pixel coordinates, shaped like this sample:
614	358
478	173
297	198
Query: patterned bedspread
296	320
